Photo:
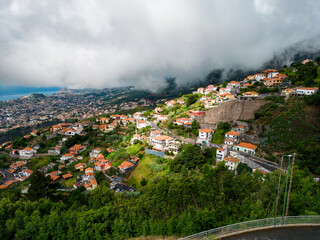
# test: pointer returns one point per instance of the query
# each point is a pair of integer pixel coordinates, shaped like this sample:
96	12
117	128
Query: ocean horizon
13	96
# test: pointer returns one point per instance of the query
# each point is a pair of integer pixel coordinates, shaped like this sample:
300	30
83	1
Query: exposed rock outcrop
232	111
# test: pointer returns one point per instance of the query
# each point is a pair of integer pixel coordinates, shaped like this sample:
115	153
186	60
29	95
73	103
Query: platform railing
236	228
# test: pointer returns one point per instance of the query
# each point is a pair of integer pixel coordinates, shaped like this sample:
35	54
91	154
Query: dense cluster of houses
233	142
20	173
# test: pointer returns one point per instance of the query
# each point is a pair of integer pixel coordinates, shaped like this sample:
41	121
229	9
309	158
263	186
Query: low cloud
98	44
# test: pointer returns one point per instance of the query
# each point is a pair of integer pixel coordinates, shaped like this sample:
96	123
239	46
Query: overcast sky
81	43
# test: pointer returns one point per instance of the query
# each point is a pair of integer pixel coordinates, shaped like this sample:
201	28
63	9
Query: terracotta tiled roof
247	145
54	177
68	175
205	130
233	133
231	159
163	137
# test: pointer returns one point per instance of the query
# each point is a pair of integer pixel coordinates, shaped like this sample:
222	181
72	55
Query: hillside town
65	104
73	160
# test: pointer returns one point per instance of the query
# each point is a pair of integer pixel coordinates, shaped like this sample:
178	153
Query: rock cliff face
232	111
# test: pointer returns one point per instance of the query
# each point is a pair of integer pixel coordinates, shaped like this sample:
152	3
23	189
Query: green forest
191	198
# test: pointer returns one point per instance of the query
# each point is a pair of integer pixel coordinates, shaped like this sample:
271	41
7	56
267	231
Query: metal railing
219	232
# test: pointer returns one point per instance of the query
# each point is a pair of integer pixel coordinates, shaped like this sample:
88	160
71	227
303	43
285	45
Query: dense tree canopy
179	205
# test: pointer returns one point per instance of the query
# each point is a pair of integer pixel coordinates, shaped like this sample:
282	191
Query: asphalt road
271	166
34	156
6	173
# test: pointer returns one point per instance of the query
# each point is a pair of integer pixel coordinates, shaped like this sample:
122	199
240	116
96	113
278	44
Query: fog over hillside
98	44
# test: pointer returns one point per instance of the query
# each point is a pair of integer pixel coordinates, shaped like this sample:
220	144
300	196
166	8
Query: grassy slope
145	169
38	162
218	136
69	182
293	126
134	149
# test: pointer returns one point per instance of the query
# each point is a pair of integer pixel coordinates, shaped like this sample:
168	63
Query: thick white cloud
79	43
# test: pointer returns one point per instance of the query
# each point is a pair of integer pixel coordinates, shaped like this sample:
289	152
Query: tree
143	182
191	99
40	186
242	167
190	156
195	127
100	196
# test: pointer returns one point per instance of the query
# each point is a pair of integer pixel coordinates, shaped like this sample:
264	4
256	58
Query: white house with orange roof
227	96
271	73
260	76
137	115
203	98
27	152
209	103
107	166
239	128
186	122
161	142
246	85
224	90
162	118
221	153
201	90
89	172
231	162
94	153
112	126
80	166
181	102
307	90
17	165
233	84
126	121
142	124
287	91
251	77
209	89
251	94
246	147
55	150
205	136
103	120
170	103
232	137
155	133
77	148
125	167
66	156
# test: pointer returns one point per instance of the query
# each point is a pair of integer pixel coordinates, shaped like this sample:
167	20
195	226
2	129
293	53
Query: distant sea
10	93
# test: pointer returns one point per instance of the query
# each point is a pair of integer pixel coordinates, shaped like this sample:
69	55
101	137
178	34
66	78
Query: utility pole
285	193
290	184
